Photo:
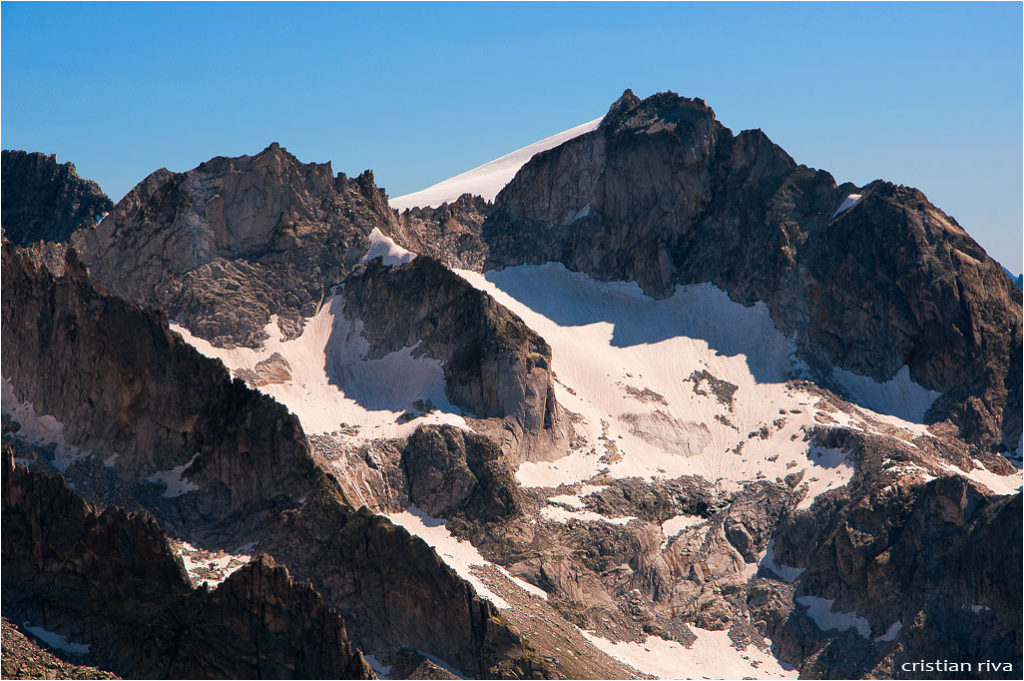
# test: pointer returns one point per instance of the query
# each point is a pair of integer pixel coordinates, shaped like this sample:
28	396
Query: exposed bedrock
921	571
452	471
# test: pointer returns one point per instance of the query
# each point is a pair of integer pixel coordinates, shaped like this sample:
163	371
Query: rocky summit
671	405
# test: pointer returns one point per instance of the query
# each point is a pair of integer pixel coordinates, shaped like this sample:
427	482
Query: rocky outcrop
46	201
450	233
663	194
109	580
452	471
912	565
494	365
226	245
394	589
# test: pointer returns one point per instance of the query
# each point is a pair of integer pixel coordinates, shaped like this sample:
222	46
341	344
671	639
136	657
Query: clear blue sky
928	95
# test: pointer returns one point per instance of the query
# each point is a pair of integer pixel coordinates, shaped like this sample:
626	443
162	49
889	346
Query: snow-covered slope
631	367
332	386
489	179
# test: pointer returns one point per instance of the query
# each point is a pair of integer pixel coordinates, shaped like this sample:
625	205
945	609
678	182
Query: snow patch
55	640
999	484
173	480
747	424
383	671
712	655
459	555
899	396
820	611
831	469
848	203
678	523
39	430
490	178
891	633
209	568
784	572
390	253
563	515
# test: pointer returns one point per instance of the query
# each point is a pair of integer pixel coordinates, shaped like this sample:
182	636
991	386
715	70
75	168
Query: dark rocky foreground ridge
660	194
45	200
110	578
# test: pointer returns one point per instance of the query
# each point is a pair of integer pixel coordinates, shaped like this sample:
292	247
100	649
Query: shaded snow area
784	572
331	385
57	641
711	656
38	429
208	567
383	671
820	611
899	396
459	555
173	480
891	633
848	203
390	253
490	178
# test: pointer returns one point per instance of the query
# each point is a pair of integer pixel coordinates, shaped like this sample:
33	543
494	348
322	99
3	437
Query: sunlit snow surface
711	656
848	203
384	247
610	342
489	179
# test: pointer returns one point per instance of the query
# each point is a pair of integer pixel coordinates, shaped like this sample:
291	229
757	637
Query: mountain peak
625	103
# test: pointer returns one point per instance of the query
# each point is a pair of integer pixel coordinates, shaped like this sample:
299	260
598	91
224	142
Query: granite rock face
226	245
924	570
450	233
46	201
451	471
663	194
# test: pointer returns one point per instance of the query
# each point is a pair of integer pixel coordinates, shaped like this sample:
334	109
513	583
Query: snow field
609	342
711	656
490	178
332	383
